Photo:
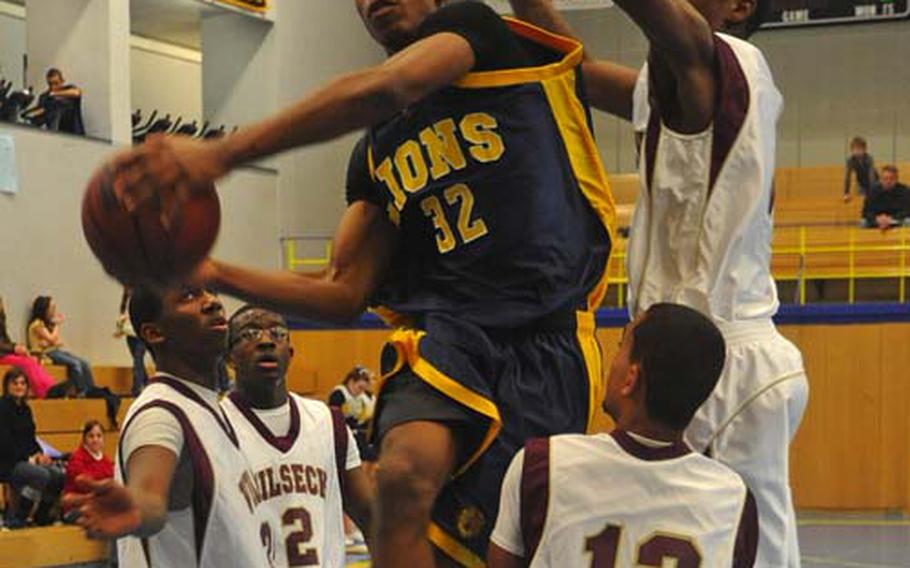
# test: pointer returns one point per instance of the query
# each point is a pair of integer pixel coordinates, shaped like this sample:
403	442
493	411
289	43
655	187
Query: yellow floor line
844	563
852	523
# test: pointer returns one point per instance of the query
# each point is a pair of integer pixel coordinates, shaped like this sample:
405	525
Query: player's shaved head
669	362
681	354
737	17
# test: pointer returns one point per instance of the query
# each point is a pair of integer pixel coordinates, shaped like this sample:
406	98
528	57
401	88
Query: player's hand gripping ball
161	240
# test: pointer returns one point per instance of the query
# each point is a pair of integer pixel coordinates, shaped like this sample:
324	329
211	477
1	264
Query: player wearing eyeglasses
305	467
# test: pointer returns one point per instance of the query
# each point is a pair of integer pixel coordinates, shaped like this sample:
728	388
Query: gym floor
837	540
827	540
859	540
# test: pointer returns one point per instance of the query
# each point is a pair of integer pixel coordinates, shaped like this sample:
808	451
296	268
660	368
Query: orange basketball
137	248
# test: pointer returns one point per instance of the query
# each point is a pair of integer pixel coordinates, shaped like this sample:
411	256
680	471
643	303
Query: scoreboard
790	13
784	13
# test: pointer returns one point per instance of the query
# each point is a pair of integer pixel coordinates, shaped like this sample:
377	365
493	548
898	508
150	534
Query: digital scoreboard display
791	13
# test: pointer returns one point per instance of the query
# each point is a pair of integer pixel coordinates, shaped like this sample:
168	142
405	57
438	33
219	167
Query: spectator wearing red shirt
89	459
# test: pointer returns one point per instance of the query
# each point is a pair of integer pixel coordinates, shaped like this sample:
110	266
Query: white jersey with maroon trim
701	231
610	500
217	529
296	479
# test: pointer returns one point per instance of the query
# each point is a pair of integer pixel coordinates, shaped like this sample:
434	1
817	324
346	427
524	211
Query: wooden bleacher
49	546
118	379
816	234
59	423
803	196
58	372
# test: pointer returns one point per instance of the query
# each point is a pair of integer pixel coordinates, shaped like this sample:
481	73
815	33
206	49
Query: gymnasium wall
44	251
312	180
12	46
837	82
166	78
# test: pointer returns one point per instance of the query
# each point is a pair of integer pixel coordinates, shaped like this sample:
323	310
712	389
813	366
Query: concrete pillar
89	41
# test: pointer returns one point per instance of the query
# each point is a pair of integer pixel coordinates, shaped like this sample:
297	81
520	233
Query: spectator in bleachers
353	398
15	354
89	459
31	473
45	341
133	343
60	106
860	164
889	203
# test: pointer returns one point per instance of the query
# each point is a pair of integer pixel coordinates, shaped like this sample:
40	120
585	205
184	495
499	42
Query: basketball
137	247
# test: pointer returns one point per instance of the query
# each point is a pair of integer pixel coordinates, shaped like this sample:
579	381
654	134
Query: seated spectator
60	106
133	343
352	397
44	340
16	355
32	474
861	164
89	460
889	203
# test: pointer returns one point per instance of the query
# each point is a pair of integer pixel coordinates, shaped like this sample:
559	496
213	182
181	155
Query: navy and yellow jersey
502	205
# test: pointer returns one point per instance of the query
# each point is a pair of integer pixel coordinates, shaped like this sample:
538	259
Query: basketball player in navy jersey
479	219
293	444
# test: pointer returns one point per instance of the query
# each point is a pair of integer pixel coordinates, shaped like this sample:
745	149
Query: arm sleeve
74	468
352	460
336	399
360	185
507	533
152	427
847	172
34	446
494	45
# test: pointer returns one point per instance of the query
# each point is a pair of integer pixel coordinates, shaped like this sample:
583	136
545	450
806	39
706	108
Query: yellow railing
290	248
864	260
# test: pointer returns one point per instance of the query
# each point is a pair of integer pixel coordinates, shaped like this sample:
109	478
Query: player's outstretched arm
609	86
361	253
358	500
109	510
683	39
350	103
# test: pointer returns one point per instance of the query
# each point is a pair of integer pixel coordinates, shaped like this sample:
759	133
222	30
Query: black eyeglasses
277	333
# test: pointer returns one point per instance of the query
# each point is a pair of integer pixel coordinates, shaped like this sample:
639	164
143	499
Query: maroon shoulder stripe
635	448
340	430
652	140
732	106
535	493
189	393
747	535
